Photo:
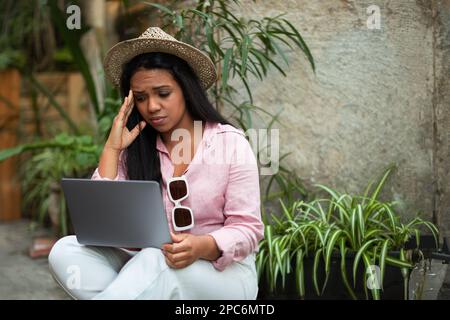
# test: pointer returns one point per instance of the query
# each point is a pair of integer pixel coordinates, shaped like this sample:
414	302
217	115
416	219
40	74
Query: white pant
93	272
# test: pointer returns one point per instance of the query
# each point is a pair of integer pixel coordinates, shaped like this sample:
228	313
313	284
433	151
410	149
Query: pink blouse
224	192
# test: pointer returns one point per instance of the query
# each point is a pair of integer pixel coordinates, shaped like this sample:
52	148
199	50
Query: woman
216	230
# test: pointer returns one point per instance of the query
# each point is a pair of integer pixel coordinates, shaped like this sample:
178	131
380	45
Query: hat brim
126	50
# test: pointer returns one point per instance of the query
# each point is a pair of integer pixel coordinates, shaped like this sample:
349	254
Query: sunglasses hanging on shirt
182	216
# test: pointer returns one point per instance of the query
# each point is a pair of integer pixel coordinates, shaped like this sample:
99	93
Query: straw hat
156	40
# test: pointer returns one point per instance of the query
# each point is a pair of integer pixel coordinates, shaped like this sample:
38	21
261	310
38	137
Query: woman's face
159	99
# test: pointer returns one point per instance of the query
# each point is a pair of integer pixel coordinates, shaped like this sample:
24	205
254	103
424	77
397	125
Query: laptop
124	214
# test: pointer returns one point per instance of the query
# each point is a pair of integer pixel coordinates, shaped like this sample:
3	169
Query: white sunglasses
182	216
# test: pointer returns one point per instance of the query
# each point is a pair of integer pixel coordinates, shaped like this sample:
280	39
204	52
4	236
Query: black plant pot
393	285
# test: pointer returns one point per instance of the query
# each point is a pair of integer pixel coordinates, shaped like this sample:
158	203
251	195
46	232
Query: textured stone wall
377	97
442	106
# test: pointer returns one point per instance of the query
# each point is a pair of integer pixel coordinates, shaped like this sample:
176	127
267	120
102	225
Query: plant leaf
343	250
226	67
315	271
358	256
300	273
330	247
383	254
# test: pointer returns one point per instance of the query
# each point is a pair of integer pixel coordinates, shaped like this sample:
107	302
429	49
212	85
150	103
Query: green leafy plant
239	47
27	35
63	156
73	154
339	225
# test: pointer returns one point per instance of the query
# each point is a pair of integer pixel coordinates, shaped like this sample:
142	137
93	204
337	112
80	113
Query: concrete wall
378	97
441	104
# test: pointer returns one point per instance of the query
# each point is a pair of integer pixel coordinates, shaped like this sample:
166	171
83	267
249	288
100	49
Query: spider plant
339	225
